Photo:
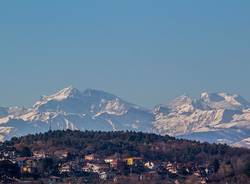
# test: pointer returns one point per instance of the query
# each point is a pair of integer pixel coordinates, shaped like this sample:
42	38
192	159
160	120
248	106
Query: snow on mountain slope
72	109
4	132
8	113
243	143
215	117
5	111
228	136
224	101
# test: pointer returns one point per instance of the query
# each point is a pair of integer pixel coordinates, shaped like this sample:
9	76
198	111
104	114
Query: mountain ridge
222	115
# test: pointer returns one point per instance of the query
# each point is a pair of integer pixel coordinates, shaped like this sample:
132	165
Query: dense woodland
229	164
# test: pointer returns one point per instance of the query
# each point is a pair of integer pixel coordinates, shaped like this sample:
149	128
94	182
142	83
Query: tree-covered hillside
222	163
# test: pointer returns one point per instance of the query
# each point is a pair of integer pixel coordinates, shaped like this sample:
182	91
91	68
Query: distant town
30	160
97	168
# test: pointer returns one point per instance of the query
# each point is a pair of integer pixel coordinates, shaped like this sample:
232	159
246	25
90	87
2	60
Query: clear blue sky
147	52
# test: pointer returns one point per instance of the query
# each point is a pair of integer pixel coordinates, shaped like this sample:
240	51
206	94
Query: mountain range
213	117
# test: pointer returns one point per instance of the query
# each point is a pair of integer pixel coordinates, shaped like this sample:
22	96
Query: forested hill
226	163
149	146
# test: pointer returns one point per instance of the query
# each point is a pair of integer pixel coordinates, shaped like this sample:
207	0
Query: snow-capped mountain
243	143
224	101
73	109
213	117
5	111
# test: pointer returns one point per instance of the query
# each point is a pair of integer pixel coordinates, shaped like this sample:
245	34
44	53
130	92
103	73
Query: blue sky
147	52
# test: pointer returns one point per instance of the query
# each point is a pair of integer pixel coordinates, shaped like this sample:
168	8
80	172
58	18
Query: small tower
50	123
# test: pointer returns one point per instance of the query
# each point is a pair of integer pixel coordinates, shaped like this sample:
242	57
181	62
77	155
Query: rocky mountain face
215	117
76	110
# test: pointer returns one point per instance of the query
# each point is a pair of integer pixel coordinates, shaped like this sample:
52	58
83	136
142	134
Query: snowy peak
89	102
63	94
243	143
71	108
207	97
70	92
224	101
182	104
211	117
209	101
181	100
211	111
67	93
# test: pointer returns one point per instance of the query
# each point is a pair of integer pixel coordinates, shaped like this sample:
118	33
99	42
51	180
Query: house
7	153
96	168
103	176
61	154
203	171
65	168
91	157
203	181
28	165
109	160
172	168
112	160
132	160
39	154
113	163
209	170
149	165
197	173
90	168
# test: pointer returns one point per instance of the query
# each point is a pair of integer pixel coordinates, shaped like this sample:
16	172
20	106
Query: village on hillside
62	166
